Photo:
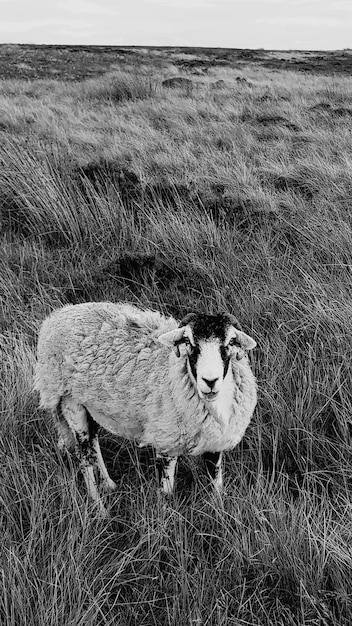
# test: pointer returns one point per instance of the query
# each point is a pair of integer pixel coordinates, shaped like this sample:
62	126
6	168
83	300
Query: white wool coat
107	357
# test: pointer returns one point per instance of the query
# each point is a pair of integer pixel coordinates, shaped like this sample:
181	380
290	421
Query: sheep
182	388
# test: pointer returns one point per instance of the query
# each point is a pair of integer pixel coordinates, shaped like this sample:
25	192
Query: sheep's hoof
218	485
217	488
165	494
164	501
217	493
61	444
102	512
109	485
167	488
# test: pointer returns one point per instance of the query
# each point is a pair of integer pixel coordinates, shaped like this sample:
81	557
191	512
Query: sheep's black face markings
194	353
205	328
225	358
192	359
208	326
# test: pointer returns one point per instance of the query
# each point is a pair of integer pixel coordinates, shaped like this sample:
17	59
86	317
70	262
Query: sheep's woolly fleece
108	358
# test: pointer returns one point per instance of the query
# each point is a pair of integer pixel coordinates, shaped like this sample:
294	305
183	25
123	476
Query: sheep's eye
186	341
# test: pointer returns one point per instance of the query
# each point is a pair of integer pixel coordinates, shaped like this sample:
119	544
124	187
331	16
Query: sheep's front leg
213	464
167	468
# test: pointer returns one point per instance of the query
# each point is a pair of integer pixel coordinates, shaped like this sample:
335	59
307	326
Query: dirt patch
271	120
176	82
327	107
241	213
102	174
289	183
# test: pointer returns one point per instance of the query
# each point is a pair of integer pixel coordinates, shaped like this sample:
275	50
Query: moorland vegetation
236	196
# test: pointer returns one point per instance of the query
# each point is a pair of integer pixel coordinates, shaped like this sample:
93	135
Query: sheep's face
208	342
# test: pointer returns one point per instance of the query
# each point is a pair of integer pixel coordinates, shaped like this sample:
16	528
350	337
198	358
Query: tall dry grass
233	198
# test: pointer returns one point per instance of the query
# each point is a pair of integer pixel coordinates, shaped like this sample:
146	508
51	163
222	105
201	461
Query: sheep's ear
240	338
187	319
246	342
239	342
172	338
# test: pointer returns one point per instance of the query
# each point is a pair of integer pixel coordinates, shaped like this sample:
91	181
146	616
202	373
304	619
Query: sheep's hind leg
65	436
167	466
213	464
87	446
107	482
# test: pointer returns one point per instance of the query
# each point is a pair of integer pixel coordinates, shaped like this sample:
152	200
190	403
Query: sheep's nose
210	383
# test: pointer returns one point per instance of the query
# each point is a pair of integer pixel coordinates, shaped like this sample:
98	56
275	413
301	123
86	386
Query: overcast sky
271	24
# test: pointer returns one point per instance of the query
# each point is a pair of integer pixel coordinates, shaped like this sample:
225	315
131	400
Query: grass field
233	196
